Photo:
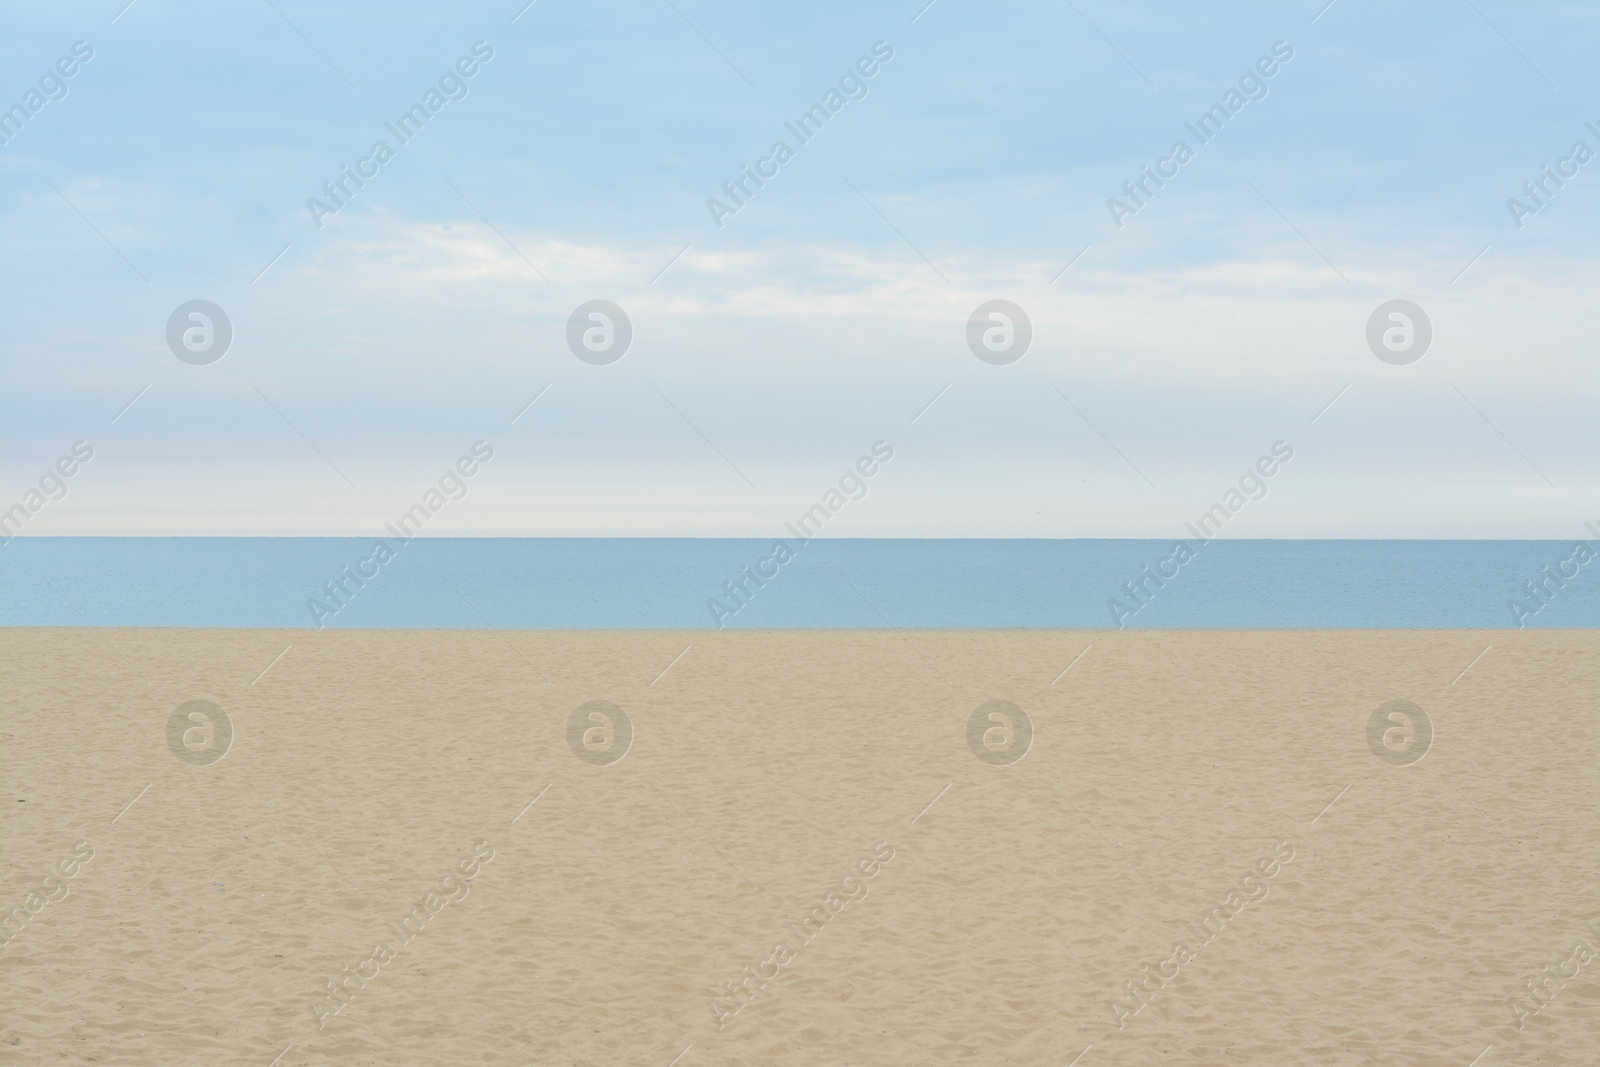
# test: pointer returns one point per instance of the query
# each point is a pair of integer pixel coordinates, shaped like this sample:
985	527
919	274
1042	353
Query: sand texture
1203	856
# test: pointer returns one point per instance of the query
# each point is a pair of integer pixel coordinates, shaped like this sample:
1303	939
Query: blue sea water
650	583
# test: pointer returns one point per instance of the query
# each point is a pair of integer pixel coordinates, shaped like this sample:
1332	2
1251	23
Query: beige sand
764	771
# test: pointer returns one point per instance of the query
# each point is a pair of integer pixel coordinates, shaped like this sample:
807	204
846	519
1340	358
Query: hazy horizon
1179	330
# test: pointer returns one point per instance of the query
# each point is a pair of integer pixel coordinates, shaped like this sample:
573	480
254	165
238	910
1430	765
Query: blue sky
826	314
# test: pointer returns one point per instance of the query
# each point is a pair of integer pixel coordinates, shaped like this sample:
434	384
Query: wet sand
412	852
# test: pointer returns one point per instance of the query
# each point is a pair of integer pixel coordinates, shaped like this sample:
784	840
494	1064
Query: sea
825	583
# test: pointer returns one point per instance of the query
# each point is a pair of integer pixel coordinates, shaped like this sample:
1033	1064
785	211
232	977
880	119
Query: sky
1179	333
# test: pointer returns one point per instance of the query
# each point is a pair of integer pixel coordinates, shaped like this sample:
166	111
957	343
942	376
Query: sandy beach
291	847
